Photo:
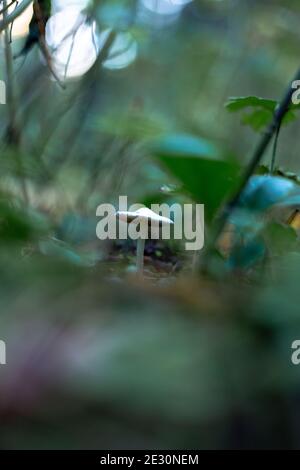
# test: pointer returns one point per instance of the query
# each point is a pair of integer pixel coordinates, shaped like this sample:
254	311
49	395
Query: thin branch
7	19
12	23
70	55
39	17
272	167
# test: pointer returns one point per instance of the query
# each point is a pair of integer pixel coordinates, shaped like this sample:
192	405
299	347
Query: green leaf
242	102
199	167
185	145
258	119
261	111
263	191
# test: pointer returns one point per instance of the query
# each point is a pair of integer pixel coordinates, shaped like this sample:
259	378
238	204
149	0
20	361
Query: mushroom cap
144	215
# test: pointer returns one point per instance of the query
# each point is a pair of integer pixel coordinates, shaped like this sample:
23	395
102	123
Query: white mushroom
146	218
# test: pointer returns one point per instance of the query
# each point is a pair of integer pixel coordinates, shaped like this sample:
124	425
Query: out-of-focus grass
94	363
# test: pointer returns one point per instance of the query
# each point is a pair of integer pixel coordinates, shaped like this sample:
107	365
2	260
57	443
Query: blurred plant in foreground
107	102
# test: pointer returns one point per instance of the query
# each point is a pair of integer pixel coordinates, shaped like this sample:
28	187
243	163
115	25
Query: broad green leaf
198	166
185	145
263	191
258	119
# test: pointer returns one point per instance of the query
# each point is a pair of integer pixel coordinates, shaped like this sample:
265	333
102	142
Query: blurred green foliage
97	358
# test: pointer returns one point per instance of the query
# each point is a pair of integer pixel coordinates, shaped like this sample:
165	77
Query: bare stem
13	132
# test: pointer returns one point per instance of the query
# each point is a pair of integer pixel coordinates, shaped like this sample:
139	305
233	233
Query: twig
272	166
12	128
70	55
7	19
39	16
7	7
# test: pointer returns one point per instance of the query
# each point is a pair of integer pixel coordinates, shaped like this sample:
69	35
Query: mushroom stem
140	247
